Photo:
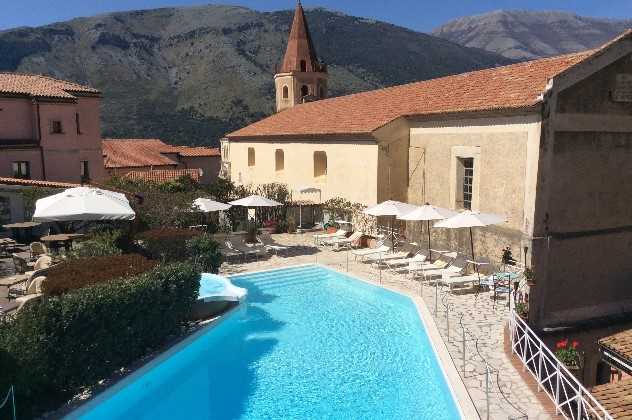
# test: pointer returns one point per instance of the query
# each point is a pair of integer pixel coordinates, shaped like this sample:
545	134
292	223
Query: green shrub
98	244
53	349
168	244
204	251
82	272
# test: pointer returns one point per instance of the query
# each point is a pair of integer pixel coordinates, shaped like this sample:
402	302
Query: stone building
155	160
301	76
547	143
49	129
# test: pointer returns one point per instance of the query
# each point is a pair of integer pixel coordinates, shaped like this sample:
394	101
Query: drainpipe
39	140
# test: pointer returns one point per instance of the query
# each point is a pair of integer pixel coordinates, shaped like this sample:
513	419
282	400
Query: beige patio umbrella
469	219
255	201
428	213
390	208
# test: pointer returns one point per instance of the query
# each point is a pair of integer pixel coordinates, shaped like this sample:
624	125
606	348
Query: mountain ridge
525	35
189	75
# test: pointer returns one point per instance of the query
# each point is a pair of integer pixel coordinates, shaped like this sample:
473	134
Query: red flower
560	344
574	344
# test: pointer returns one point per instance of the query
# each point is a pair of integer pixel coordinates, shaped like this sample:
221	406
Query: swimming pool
313	343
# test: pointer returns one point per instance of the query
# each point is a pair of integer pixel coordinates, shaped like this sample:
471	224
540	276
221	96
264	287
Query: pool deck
510	397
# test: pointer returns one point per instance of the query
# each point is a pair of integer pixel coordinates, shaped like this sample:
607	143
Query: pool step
295	269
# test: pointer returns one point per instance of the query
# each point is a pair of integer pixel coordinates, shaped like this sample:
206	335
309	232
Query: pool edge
85	406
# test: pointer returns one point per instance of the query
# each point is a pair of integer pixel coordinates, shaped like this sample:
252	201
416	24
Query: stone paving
484	323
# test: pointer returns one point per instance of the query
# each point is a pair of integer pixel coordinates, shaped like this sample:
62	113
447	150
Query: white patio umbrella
207	205
470	219
85	204
428	213
255	201
390	208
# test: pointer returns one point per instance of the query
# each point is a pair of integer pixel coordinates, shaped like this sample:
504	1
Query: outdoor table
62	238
499	280
22	230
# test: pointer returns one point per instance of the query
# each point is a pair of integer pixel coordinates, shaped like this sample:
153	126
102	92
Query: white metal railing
571	399
10	399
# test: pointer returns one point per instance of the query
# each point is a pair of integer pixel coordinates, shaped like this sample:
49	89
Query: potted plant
567	353
522	309
507	257
529	275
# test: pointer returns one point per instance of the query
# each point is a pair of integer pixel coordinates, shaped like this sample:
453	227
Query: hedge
167	244
54	348
82	272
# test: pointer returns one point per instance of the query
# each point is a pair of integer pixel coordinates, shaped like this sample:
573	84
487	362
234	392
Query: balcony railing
571	399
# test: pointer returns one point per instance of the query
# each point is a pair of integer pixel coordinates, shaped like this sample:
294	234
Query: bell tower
301	77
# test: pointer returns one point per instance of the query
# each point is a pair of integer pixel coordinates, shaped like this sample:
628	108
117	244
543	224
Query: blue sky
422	15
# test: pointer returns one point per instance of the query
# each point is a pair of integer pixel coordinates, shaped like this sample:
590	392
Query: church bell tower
301	77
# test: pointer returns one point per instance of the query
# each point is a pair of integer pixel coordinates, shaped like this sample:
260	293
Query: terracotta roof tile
616	398
163	175
513	87
34	85
510	87
36	183
133	153
620	343
196	151
300	46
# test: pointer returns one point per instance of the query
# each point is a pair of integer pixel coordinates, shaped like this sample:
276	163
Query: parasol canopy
85	204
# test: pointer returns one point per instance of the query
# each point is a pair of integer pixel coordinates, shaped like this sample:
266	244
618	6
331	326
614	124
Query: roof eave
351	136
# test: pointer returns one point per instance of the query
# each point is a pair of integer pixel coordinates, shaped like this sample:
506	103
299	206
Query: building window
286	92
303	66
279	160
320	165
322	92
251	156
77	123
22	170
465	179
304	90
55	127
85	171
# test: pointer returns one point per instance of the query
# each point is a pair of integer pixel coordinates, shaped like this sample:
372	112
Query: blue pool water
312	344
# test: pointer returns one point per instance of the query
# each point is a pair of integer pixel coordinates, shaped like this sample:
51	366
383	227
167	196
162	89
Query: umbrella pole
429	251
474	259
392	234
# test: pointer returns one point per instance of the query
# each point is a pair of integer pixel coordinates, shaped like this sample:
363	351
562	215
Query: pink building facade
49	129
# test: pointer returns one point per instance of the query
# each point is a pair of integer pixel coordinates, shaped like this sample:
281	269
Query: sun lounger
266	241
380	258
229	253
415	267
449	271
257	250
396	264
363	253
340	243
340	233
450	282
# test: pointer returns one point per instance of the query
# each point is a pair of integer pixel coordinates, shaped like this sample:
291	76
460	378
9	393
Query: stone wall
583	245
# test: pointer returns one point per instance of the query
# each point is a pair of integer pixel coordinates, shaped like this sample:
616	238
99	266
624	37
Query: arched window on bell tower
304	90
303	66
286	92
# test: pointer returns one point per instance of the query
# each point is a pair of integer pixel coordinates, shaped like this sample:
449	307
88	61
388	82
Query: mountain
527	35
189	75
